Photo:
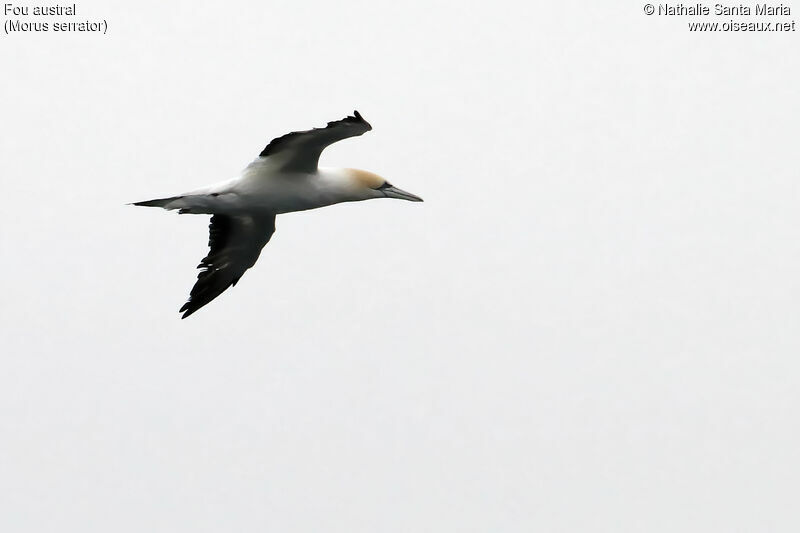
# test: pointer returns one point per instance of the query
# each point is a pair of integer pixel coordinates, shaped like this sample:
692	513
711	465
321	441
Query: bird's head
369	185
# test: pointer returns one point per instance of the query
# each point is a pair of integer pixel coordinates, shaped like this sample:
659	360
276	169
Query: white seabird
285	177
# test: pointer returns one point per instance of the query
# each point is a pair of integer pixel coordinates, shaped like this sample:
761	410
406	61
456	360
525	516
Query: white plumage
285	177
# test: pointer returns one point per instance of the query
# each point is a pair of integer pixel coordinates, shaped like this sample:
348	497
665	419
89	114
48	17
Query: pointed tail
160	202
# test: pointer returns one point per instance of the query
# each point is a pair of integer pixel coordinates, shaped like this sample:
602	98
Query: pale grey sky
589	325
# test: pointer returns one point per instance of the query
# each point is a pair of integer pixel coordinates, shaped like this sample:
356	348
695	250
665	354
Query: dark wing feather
234	242
299	151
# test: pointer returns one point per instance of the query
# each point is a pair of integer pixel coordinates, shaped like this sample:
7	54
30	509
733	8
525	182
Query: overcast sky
591	324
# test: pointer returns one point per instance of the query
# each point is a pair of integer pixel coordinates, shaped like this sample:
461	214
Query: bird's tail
185	203
160	202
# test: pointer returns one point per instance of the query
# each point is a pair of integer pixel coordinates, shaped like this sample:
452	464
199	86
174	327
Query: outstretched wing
235	243
299	151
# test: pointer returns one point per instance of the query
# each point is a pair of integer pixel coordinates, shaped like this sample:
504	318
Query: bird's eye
385	185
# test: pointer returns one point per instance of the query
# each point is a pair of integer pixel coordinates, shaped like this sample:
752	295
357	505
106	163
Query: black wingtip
358	118
278	143
188	311
355	117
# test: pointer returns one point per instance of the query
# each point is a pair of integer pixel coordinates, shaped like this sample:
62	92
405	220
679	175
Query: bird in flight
285	177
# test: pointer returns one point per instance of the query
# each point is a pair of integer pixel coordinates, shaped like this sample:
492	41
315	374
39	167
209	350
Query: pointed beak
400	194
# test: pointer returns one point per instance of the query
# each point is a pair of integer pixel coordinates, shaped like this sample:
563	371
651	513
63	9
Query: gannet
285	177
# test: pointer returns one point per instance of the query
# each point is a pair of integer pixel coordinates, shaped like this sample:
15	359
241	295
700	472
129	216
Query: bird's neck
347	184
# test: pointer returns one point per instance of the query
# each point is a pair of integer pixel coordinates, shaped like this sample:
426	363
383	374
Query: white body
263	188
